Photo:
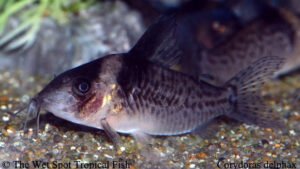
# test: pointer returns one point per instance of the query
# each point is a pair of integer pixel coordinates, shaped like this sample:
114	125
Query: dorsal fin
159	43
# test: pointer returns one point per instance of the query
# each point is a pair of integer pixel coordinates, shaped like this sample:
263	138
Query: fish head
80	93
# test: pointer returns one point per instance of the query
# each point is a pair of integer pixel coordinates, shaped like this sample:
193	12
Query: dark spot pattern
176	102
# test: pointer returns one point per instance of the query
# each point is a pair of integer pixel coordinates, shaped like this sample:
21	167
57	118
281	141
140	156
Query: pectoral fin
112	134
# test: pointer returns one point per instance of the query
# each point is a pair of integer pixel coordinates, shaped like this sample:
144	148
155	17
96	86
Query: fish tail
245	95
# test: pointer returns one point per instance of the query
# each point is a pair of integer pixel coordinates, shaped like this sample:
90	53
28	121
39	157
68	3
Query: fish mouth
49	105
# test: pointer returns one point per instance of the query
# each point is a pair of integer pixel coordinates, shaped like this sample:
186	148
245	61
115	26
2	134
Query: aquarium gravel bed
59	143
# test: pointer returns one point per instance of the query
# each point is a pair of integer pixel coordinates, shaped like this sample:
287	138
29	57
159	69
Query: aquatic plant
28	16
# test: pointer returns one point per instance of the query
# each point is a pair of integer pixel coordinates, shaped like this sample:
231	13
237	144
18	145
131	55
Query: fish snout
33	107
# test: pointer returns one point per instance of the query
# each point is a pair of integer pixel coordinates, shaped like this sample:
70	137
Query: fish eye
81	86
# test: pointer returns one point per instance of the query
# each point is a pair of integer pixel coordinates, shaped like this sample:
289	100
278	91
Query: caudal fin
248	104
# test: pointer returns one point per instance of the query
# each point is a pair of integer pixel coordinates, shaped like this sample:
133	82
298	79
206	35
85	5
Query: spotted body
274	34
165	102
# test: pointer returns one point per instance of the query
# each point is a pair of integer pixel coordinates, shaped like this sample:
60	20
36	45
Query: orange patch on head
91	105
